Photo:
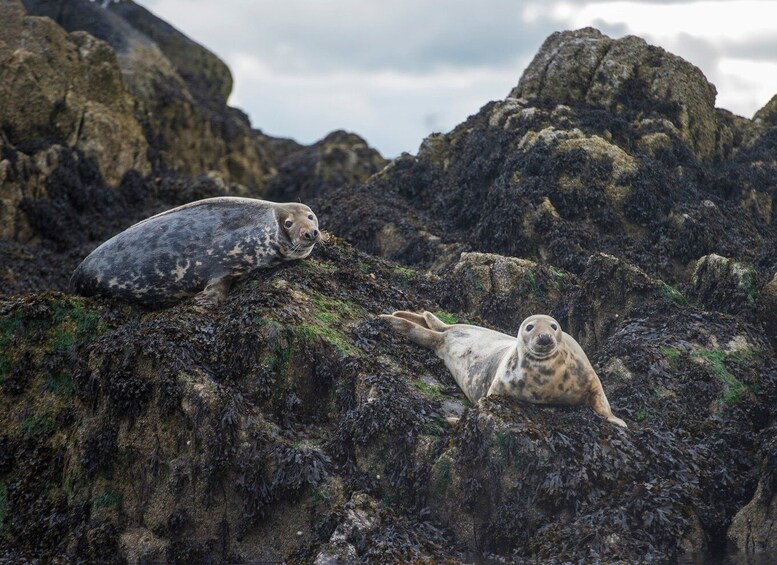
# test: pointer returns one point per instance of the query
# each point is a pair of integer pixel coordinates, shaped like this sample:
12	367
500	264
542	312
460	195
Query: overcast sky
395	71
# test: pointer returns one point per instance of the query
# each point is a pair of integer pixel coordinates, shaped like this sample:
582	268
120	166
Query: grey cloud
759	49
351	35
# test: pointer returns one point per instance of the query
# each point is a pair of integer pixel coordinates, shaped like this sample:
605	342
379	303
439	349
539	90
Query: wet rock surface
289	423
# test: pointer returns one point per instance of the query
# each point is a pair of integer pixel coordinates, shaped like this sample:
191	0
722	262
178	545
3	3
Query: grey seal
543	365
198	248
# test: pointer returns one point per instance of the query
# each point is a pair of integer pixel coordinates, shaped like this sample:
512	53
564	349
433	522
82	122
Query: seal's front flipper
215	291
416	333
601	406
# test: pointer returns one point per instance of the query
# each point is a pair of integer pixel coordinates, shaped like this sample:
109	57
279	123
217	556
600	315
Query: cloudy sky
395	71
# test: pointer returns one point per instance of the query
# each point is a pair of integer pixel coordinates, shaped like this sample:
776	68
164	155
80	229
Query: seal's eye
311	217
288	223
554	326
530	327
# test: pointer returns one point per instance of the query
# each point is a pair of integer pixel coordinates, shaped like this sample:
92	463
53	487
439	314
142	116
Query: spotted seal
198	248
543	365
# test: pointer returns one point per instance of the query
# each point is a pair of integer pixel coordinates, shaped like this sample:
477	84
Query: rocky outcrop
290	424
63	99
186	121
340	159
667	97
640	166
87	114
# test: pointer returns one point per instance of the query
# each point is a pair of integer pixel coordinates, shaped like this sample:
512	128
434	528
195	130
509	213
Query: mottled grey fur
200	247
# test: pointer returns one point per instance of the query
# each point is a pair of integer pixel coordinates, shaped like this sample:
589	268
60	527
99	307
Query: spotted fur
543	364
200	247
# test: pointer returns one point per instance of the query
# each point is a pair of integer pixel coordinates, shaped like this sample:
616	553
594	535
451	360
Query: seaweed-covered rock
291	408
504	290
720	283
646	170
340	159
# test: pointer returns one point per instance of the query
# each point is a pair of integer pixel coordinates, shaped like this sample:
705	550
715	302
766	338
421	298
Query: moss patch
107	499
443	473
446	317
716	359
433	391
671	294
672	355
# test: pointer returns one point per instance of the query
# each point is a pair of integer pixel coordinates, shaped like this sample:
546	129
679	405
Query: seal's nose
311	235
544	340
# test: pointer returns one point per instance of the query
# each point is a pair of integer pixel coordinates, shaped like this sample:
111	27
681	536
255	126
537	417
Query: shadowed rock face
289	423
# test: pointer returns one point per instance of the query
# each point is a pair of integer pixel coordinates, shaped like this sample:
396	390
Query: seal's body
199	247
543	365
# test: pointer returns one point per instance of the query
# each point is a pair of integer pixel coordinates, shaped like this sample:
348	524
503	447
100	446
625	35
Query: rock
768	114
725	285
206	76
625	76
63	96
504	290
753	529
189	128
612	291
340	159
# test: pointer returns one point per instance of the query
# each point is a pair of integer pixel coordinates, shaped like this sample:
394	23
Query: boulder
340	159
628	77
189	127
63	99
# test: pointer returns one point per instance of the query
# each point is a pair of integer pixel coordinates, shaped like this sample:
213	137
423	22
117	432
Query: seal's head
540	336
298	230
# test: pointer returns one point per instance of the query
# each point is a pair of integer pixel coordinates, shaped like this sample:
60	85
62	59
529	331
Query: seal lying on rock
199	247
543	365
